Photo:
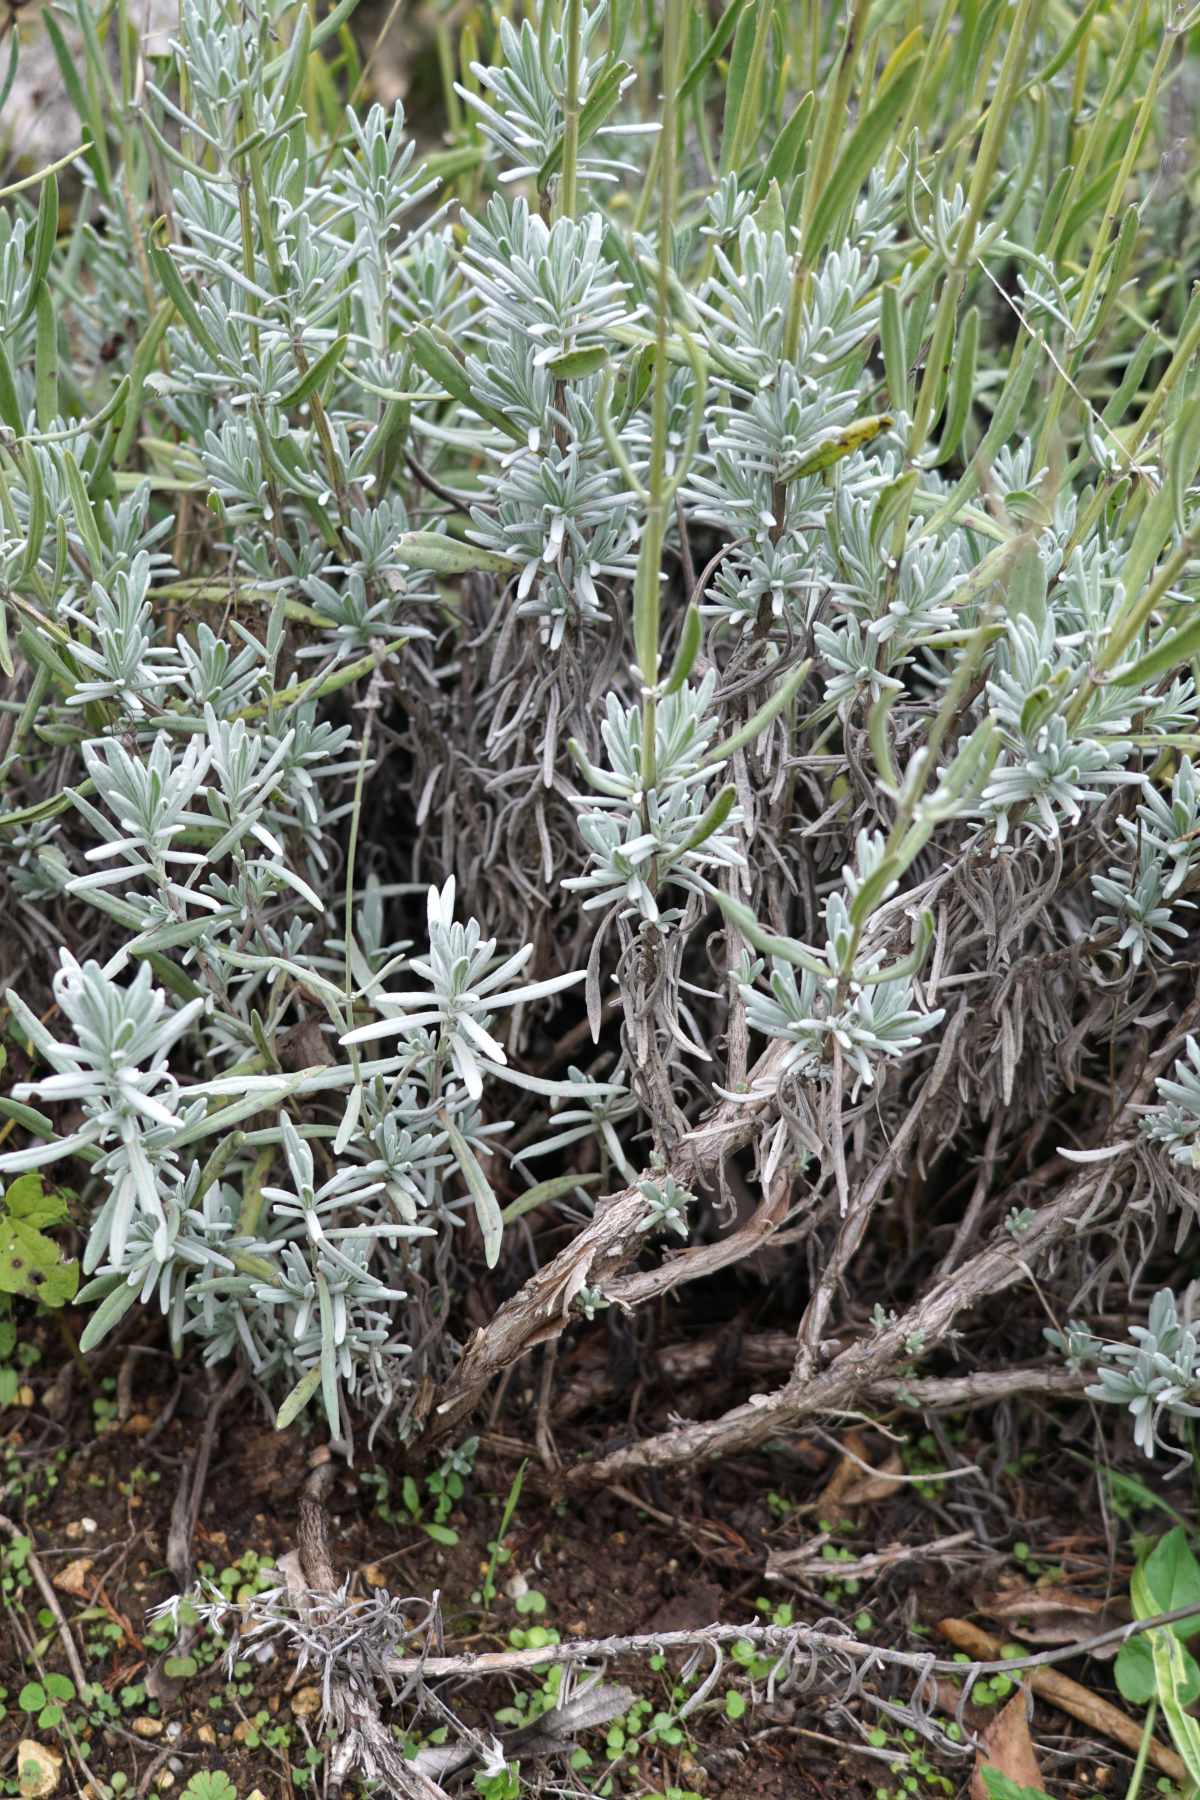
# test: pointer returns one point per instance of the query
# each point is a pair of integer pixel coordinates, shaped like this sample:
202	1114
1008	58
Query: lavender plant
721	527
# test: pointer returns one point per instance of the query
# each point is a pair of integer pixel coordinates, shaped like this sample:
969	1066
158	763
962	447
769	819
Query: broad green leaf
449	556
575	364
999	1786
1171	1676
1168	1579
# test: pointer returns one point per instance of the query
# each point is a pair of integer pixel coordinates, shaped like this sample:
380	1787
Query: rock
38	1768
306	1701
206	1734
38	116
146	1727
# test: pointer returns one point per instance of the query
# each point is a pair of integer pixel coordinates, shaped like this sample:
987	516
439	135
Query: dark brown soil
85	1482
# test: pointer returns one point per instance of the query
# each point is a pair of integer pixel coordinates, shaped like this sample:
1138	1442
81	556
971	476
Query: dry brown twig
1000	1265
773	1639
363	1742
48	1594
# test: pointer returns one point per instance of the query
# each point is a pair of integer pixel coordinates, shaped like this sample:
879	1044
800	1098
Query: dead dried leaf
1007	1747
72	1577
880	1486
1056	1615
1099	1715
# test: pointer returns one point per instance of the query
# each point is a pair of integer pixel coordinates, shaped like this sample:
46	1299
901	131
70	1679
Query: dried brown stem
52	1601
774	1639
1001	1264
541	1310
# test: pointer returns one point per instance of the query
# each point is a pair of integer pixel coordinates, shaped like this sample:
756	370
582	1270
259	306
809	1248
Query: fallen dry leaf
1056	1615
1007	1747
306	1701
1069	1695
72	1577
880	1486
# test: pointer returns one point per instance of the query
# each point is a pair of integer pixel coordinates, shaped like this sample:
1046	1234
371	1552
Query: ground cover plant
599	701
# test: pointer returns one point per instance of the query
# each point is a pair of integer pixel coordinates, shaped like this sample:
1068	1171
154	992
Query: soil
92	1466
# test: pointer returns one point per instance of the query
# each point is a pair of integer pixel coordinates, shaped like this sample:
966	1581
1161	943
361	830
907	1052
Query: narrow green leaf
172	281
1173	651
689	648
874	888
36	529
598	106
895	349
786	160
712	819
10	409
435	354
295	64
94	153
858	157
716	41
299	1398
45	360
487	1207
110	1312
735	85
962	387
10	75
315	375
143	361
785	948
788	688
44	238
81	506
544	1192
